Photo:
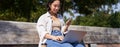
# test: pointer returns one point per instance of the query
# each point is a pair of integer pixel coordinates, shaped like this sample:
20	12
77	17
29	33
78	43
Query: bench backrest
25	33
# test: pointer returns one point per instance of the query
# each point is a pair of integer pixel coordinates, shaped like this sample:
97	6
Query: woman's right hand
57	38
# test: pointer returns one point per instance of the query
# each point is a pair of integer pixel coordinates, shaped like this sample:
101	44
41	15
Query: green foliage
36	14
21	10
7	15
31	10
99	19
21	19
89	6
114	20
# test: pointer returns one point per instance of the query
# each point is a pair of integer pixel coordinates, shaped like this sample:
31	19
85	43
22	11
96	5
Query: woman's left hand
68	21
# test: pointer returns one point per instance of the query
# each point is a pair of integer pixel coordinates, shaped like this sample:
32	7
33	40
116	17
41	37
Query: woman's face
55	6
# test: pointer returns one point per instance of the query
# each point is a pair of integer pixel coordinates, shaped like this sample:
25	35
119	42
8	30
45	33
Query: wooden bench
13	33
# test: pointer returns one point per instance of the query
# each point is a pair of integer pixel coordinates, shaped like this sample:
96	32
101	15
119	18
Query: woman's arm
67	24
48	36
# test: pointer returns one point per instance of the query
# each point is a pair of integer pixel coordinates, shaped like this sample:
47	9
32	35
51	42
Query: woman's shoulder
45	15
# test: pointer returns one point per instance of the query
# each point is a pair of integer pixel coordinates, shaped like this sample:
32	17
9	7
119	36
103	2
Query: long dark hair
50	2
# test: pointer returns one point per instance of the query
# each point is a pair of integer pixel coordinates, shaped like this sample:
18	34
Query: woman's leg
78	44
51	43
66	45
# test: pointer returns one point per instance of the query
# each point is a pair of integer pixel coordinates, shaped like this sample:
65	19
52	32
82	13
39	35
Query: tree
21	10
30	10
114	20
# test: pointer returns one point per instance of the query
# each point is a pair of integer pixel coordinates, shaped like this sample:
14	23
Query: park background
102	13
100	18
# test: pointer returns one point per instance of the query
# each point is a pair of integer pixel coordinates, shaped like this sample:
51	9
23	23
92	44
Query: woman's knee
79	45
66	45
52	46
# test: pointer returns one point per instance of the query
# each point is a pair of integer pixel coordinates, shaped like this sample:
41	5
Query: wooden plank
108	45
18	33
99	34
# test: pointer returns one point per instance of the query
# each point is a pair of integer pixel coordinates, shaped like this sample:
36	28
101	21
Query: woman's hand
68	22
57	38
60	38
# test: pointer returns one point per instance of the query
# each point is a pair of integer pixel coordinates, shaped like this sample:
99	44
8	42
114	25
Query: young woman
51	27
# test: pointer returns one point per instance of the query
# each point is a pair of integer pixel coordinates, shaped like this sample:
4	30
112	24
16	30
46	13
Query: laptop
73	36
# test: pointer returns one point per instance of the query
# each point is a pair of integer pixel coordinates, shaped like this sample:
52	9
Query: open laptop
73	36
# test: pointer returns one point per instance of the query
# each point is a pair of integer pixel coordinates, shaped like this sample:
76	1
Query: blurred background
102	13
